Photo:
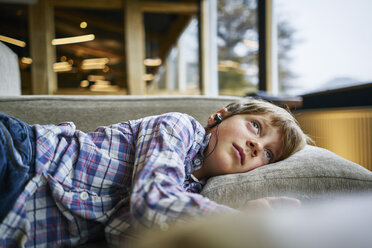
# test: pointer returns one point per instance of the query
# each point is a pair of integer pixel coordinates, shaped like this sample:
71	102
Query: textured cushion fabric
89	112
312	173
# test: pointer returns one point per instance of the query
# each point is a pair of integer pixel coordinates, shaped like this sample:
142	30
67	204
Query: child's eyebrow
265	126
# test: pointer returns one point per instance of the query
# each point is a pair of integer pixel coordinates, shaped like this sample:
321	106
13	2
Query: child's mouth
240	153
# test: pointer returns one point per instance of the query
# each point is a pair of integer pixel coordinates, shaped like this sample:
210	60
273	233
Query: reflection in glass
172	54
237	47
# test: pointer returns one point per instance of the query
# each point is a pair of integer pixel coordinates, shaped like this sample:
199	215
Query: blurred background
313	56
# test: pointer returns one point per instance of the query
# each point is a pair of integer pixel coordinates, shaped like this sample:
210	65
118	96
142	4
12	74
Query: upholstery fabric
89	112
310	174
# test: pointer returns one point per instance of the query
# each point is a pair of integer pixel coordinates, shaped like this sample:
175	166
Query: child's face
245	142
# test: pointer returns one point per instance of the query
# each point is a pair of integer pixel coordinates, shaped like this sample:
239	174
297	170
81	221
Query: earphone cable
215	145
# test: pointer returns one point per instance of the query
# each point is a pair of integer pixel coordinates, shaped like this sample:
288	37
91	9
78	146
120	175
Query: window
96	66
323	44
237	47
105	46
172	54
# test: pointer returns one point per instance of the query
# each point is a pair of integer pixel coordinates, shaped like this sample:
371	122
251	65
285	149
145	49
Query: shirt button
164	226
71	230
197	162
84	196
23	240
43	179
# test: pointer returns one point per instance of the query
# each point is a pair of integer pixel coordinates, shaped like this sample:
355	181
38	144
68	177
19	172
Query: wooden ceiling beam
146	6
89	51
89	4
114	48
169	8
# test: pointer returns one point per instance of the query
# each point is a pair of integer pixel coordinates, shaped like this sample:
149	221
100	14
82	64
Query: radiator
346	132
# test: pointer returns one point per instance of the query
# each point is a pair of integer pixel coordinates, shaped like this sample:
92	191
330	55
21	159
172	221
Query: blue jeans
17	160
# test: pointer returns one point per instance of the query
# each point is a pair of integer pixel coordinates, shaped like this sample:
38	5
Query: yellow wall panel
346	132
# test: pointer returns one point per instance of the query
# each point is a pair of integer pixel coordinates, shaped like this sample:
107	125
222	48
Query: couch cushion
312	173
89	112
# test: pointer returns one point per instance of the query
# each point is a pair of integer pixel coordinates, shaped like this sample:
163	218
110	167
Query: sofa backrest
89	112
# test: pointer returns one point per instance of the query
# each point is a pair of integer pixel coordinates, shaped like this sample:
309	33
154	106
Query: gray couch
311	174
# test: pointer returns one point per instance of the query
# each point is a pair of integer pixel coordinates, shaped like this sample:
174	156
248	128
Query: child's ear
211	119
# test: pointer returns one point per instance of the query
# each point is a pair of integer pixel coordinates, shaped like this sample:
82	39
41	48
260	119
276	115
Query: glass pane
323	44
172	53
96	66
237	47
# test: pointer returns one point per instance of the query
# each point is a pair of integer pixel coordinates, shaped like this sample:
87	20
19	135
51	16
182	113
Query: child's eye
268	155
256	126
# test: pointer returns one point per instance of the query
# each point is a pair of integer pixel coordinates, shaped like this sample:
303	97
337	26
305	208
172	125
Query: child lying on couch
63	187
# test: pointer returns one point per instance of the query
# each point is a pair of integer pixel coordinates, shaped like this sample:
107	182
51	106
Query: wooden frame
208	43
134	47
43	53
268	61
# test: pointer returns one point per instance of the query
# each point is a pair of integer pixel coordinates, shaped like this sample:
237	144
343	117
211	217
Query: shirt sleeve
158	196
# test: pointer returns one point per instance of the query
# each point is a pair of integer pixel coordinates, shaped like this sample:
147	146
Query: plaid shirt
125	176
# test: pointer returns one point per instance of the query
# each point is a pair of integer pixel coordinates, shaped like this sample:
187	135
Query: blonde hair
293	138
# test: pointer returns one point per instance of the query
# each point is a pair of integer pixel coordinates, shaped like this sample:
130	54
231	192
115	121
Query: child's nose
255	147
